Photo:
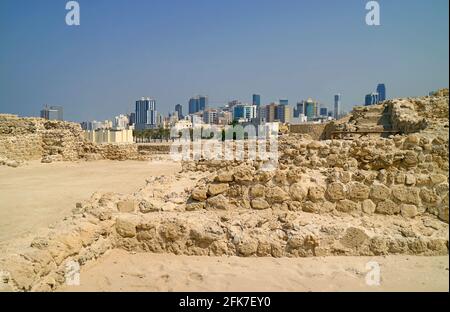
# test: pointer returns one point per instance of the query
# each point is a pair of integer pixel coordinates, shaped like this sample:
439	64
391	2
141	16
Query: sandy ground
119	270
37	195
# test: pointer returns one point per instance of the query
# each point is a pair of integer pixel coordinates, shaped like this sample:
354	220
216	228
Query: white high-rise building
121	122
337	106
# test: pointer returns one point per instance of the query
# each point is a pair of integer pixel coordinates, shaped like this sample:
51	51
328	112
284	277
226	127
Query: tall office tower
203	103
146	114
310	108
284	113
368	100
372	99
300	109
131	119
256	99
284	102
244	112
52	113
337	106
381	90
193	105
271	112
198	104
179	110
324	111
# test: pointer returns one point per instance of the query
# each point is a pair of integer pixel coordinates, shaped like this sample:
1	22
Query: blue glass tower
256	99
381	90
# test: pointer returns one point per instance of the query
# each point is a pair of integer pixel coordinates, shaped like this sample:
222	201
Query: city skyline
95	70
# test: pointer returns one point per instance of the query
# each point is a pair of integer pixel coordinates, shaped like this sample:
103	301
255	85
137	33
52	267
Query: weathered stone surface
387	207
443	210
126	206
407	195
126	226
199	194
195	206
316	193
336	191
354	238
358	191
298	192
247	247
219	188
276	195
257	190
146	206
368	206
224	177
260	204
218	202
408	211
347	206
379	192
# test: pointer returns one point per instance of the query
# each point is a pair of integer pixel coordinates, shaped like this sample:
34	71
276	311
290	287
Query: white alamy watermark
373	277
227	143
72	273
73	16
373	16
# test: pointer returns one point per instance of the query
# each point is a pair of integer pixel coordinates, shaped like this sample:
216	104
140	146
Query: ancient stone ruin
362	195
25	139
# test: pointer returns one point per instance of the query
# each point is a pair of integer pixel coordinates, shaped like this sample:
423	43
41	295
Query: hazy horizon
172	50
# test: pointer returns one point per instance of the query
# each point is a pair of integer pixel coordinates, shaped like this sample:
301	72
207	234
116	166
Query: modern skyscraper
381	90
300	109
246	112
271	112
203	103
337	106
146	114
310	108
198	104
323	111
284	113
179	110
256	99
284	102
372	99
193	104
52	113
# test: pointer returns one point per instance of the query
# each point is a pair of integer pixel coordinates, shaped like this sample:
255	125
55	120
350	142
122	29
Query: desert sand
119	270
35	196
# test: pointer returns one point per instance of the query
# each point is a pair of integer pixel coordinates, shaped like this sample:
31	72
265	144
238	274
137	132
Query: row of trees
149	135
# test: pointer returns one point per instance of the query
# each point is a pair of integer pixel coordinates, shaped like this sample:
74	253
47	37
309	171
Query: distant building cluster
52	113
146	117
376	97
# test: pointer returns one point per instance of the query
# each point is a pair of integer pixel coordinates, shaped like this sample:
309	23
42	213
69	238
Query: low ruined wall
23	139
154	148
315	131
407	176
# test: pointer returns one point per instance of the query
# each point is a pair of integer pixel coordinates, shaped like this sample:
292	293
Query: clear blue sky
226	49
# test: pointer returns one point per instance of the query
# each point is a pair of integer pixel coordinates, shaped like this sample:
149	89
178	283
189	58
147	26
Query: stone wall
315	131
25	139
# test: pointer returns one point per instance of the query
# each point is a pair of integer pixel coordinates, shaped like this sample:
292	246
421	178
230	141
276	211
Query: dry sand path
37	195
119	270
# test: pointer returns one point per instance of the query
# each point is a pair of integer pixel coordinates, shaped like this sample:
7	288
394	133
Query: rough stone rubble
371	196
